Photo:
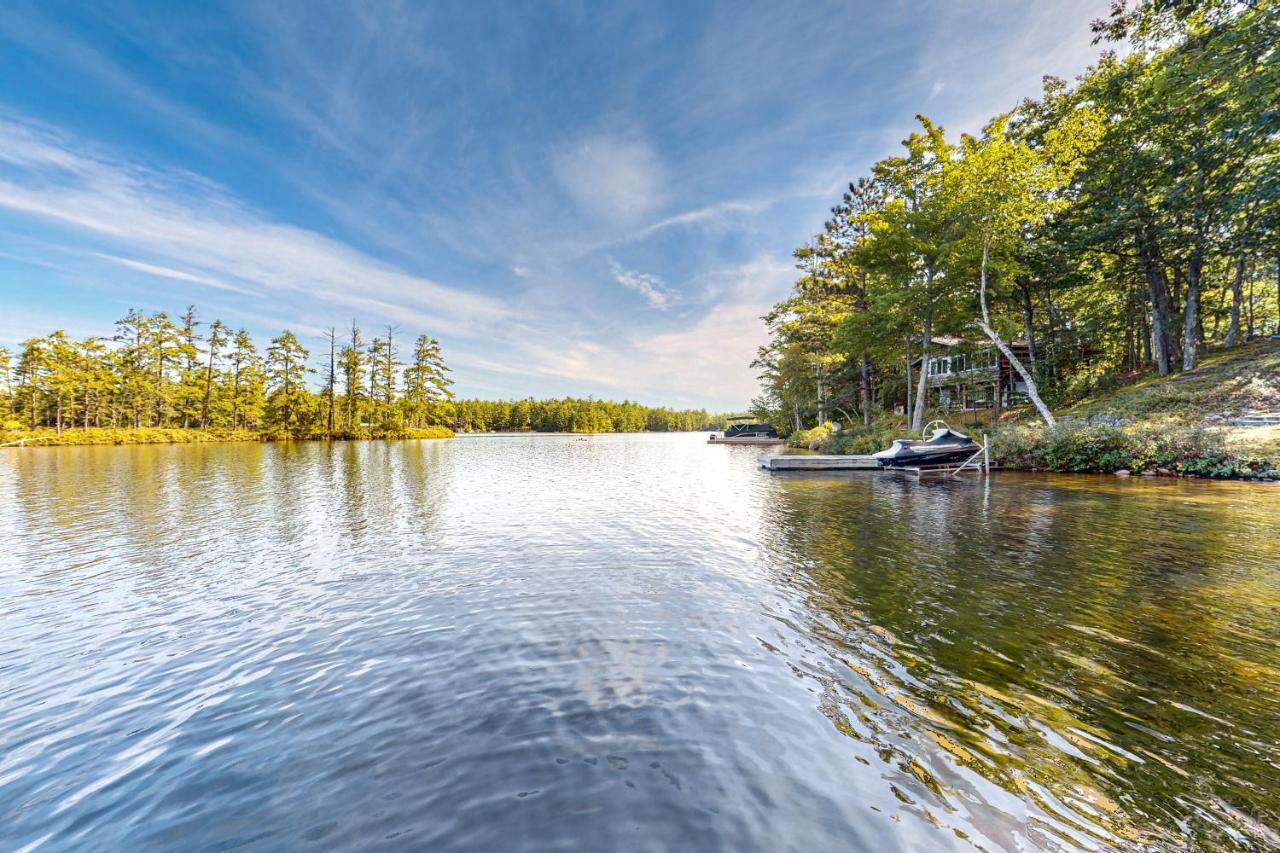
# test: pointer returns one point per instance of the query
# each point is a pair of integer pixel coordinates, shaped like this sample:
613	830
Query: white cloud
611	176
176	275
704	364
187	222
649	286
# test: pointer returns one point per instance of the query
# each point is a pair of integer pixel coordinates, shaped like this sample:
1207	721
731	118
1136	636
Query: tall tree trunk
1129	348
208	387
1028	326
907	396
235	398
1032	391
333	344
1145	333
866	390
822	391
1158	287
1191	315
1237	295
922	382
1249	302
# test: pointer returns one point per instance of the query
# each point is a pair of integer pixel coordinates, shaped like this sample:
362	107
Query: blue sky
577	198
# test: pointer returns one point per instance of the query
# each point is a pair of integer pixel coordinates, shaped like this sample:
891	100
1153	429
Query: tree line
157	371
1123	222
575	415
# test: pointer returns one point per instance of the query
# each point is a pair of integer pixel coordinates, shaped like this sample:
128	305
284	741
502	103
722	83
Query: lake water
626	642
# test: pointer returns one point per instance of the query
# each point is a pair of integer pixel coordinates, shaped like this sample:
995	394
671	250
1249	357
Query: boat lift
973	463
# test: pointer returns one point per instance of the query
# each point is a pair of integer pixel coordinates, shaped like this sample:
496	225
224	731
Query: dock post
986	456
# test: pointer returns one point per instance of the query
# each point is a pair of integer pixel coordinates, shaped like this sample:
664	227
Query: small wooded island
158	381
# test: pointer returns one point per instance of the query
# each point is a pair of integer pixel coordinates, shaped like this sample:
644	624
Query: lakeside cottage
967	375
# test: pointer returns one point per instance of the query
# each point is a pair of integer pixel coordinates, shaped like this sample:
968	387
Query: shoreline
119	436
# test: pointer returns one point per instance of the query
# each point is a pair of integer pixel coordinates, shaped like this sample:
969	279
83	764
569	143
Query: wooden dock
814	462
718	440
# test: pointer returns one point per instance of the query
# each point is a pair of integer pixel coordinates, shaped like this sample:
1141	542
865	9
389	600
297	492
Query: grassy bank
1160	447
1183	424
72	437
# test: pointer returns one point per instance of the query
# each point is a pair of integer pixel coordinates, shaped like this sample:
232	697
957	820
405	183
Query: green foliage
157	381
1158	446
860	440
810	438
1127	221
155	375
575	415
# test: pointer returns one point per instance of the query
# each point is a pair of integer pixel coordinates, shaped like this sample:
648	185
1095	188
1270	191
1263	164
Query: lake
626	642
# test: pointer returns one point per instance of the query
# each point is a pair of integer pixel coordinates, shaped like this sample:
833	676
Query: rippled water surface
626	642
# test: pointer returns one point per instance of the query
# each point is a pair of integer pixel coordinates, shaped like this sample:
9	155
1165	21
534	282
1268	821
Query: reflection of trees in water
1099	652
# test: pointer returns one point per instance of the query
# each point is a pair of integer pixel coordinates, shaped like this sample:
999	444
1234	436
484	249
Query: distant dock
717	440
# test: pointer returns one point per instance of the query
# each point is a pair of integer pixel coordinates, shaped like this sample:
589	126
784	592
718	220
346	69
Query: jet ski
944	447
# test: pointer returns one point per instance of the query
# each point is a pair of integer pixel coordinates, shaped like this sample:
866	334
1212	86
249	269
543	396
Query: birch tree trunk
1032	391
917	413
917	416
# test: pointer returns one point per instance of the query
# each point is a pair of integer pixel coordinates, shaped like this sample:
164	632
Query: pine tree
132	332
246	383
351	358
217	340
286	374
426	382
378	390
188	394
32	366
6	382
331	377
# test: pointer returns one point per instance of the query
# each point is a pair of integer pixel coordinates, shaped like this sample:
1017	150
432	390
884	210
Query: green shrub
1091	447
429	432
1020	445
859	440
1168	446
810	438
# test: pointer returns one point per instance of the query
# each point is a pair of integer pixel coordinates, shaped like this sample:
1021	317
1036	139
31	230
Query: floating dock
813	462
718	440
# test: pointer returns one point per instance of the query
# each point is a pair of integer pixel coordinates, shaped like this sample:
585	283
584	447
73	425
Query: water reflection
635	642
1104	650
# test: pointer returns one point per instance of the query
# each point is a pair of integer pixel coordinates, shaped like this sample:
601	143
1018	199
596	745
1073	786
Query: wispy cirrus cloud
176	275
611	176
649	286
189	229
